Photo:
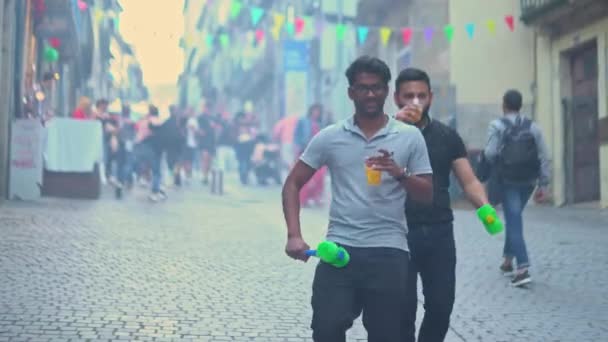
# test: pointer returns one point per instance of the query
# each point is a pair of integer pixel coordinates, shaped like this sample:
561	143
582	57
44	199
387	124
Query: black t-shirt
207	137
444	146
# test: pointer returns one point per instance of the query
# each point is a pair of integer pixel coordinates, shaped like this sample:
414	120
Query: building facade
571	58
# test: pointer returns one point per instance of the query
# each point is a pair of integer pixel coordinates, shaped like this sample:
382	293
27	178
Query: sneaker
162	195
155	197
521	279
507	270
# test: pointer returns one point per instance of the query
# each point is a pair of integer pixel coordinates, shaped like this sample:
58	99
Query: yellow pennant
279	20
385	35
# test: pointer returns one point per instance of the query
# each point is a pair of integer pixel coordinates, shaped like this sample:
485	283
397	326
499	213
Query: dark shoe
507	270
118	192
521	279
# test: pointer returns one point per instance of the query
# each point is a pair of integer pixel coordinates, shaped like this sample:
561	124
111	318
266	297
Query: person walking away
225	141
517	151
244	145
126	159
306	129
367	214
206	140
431	231
156	143
283	132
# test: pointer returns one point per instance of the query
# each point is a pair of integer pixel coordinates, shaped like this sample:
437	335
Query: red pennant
510	20
259	35
55	42
299	25
407	35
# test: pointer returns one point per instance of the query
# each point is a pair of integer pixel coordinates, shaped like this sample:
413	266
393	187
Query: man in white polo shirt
366	219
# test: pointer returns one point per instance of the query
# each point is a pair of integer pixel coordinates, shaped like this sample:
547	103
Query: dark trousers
373	283
433	256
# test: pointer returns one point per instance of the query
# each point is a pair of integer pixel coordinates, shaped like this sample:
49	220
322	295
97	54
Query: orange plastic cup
374	177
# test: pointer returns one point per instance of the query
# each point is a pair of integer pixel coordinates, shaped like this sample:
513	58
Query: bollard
217	182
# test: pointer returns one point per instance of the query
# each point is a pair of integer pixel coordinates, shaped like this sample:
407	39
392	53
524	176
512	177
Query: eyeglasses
376	89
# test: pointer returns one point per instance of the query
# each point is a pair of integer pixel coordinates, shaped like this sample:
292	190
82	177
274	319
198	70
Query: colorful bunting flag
362	32
256	15
428	34
470	27
299	25
291	29
235	9
406	34
449	32
491	26
259	35
209	40
224	40
510	20
340	31
319	27
385	35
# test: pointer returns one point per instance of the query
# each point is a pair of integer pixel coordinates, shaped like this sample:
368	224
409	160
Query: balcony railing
531	9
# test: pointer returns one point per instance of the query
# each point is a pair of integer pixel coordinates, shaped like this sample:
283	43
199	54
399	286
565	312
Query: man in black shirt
431	235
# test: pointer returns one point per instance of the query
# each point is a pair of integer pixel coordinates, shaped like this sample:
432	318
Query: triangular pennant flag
340	31
235	8
209	40
449	32
491	26
319	27
224	39
407	35
259	35
385	35
299	25
279	20
291	29
428	34
256	15
470	27
510	20
362	32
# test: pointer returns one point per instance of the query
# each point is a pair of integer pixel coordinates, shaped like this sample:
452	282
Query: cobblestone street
206	268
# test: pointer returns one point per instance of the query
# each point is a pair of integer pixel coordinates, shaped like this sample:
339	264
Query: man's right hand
410	114
296	248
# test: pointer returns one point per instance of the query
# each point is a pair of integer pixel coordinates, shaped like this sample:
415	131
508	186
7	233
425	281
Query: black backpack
518	158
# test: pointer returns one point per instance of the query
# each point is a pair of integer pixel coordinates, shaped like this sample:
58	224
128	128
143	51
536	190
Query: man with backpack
517	151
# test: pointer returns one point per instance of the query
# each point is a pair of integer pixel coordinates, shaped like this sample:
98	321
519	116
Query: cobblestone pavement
205	268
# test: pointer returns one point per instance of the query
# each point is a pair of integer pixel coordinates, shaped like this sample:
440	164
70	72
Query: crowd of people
190	143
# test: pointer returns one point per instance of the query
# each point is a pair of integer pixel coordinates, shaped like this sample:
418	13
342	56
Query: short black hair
153	110
370	65
512	100
101	102
410	75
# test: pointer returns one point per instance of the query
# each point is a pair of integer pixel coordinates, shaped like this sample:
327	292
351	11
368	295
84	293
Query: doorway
584	149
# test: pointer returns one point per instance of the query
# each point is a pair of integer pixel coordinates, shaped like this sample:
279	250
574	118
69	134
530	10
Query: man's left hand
385	163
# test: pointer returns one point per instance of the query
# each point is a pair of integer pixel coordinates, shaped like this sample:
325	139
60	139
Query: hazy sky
154	29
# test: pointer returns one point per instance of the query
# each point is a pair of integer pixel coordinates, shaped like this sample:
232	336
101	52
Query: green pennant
449	32
235	9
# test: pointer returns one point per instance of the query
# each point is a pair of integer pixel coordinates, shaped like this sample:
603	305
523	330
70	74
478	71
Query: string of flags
296	26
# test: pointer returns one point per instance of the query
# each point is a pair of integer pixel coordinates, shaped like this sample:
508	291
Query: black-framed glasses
376	89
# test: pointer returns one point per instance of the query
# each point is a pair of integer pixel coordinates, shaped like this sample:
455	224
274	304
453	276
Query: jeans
515	198
433	256
373	283
156	171
126	167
